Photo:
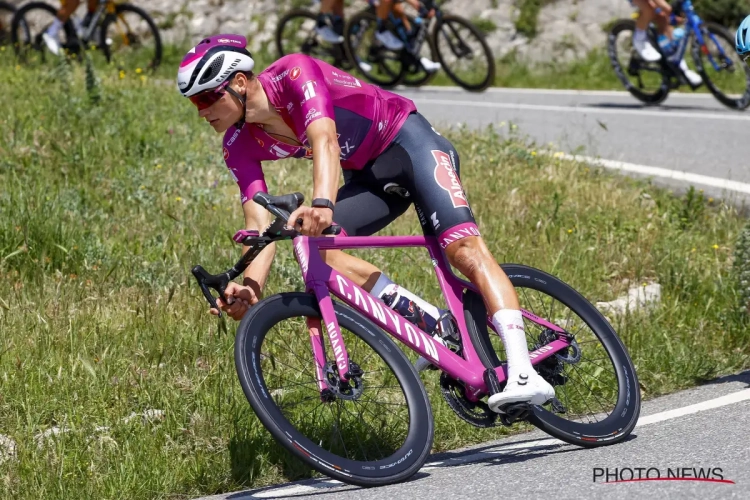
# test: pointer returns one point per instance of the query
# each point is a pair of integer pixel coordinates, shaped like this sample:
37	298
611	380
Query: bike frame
694	25
104	5
323	281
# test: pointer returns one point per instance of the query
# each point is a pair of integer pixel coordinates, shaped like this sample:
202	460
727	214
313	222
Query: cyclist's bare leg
473	259
67	7
648	14
359	271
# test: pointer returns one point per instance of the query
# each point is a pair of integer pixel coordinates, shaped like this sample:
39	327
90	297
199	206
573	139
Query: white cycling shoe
429	65
693	77
51	42
327	34
525	388
389	40
646	51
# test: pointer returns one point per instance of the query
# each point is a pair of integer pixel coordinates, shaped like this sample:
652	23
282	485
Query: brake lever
207	281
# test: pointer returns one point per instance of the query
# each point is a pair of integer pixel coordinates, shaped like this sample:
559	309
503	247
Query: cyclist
388	39
742	41
67	7
659	12
300	107
330	25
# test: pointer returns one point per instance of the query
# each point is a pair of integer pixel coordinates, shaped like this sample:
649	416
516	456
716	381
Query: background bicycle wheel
295	33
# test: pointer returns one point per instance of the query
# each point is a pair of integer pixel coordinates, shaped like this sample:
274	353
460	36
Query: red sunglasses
208	98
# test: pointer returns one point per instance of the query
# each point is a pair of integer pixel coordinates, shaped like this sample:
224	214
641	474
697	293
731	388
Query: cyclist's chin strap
242	99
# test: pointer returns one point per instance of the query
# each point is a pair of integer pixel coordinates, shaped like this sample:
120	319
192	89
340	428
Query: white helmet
213	62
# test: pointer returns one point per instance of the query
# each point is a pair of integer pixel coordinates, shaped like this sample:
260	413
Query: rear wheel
378	65
295	33
598	397
130	39
376	429
645	81
723	71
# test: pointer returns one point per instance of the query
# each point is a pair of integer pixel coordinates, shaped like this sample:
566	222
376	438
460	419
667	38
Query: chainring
476	413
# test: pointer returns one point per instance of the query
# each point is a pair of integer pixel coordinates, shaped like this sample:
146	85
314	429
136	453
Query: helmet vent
213	70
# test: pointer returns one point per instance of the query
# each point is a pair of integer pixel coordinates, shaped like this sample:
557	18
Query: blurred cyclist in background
741	41
330	27
659	12
389	39
51	36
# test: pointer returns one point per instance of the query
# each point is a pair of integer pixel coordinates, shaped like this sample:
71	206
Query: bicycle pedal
513	412
557	406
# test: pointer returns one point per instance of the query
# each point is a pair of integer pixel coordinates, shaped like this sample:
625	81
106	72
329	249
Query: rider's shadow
665	108
743	377
489	455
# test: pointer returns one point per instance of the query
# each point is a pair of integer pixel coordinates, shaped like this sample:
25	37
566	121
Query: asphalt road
689	133
704	427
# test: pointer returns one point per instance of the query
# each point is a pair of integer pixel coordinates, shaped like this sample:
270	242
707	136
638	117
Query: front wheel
375	429
594	379
463	53
722	70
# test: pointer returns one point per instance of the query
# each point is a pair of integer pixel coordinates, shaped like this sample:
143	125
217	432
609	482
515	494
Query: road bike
712	51
455	42
124	34
339	394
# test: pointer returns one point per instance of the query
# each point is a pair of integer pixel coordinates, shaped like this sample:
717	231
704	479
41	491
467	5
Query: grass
105	207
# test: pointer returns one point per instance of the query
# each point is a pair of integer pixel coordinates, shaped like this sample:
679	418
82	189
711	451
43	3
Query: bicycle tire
19	23
733	103
651	99
6	14
623	417
489	78
335	55
394	76
402	464
109	19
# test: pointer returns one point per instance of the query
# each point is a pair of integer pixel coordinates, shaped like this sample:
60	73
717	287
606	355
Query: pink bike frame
322	280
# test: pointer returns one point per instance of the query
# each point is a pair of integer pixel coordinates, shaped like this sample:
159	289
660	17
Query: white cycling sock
639	35
54	28
509	322
379	286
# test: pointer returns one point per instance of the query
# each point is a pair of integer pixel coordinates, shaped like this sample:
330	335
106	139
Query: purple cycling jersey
304	89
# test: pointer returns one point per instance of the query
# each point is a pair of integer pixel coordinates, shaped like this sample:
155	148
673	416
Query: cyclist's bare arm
251	291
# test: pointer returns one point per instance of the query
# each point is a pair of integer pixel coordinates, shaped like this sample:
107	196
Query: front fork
336	342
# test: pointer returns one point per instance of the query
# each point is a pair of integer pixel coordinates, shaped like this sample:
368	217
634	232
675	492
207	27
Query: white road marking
583	109
510	90
299	489
665	173
735	397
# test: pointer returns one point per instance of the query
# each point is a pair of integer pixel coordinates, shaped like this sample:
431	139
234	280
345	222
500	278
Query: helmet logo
295	73
228	40
228	70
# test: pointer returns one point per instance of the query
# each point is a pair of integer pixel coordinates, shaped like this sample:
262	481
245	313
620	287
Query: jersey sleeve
307	95
249	177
